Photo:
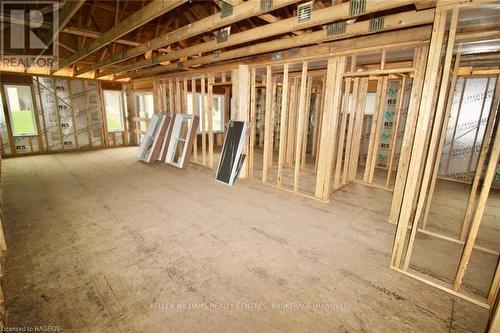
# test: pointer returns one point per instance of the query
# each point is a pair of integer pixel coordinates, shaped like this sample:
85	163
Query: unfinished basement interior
250	166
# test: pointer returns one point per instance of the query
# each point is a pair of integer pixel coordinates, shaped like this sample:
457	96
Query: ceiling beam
371	43
266	17
134	21
95	34
391	22
65	14
243	11
320	16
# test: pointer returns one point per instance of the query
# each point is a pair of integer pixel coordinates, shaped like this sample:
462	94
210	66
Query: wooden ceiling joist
134	21
407	38
240	12
93	34
391	22
321	16
65	14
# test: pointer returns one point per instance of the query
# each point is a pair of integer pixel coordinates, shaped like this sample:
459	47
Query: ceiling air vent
376	24
266	4
357	7
336	28
223	34
304	11
225	10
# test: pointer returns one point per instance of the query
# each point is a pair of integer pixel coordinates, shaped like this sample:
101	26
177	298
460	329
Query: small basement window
21	110
217	111
113	106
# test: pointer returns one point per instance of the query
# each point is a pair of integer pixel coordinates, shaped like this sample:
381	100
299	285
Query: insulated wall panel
65	113
469	114
48	103
4	134
95	119
79	104
39	113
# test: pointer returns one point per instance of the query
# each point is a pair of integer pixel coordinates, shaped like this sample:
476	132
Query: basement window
217	111
113	106
21	110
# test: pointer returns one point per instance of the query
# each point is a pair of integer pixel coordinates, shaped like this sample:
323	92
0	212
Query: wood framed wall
417	182
288	102
69	116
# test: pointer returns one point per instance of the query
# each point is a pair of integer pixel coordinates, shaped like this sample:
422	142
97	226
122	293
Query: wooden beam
419	59
323	16
331	111
419	142
396	21
437	162
65	14
240	12
134	21
300	125
283	122
95	34
478	215
436	132
267	125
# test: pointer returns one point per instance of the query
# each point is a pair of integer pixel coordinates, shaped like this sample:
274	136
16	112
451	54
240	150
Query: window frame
122	111
11	118
197	112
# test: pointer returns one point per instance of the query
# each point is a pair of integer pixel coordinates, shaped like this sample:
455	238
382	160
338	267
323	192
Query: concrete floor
99	242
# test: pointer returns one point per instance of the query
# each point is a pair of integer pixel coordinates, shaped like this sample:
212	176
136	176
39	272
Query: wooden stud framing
73	117
203	118
251	145
267	124
283	126
441	140
300	126
292	121
481	158
193	97
436	130
478	215
333	92
350	110
411	121
210	121
306	122
429	87
358	114
371	157
342	132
